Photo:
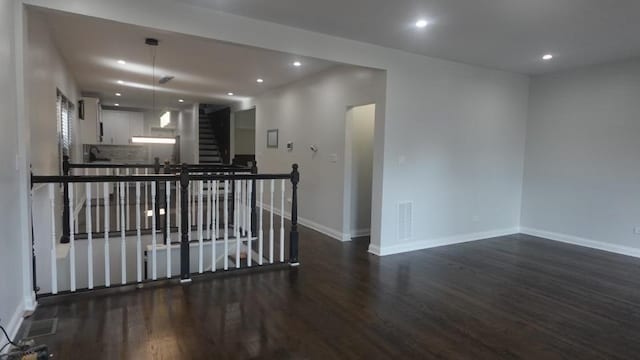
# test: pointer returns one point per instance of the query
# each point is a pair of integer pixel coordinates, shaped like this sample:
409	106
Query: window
65	117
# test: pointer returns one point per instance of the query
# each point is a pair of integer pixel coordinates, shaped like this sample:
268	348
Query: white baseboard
13	325
575	240
431	243
361	232
332	233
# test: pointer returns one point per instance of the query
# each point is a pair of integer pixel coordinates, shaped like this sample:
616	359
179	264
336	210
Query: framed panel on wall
272	138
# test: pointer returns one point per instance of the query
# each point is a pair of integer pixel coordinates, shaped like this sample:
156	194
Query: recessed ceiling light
120	82
230	93
421	23
260	80
118	94
181	100
297	63
121	62
116	104
547	57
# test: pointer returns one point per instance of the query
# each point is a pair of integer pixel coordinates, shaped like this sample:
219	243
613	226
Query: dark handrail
62	179
156	165
176	167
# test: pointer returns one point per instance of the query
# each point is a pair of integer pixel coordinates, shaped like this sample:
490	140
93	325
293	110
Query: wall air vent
405	220
165	79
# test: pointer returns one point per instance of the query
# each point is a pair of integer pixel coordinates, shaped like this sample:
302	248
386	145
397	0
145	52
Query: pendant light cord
153	78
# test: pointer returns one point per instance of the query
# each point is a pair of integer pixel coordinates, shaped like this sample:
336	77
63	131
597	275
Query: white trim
360	232
575	240
30	302
78	206
23	161
431	243
332	233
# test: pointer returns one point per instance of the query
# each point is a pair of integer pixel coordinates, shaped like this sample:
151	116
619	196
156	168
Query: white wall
244	132
360	127
46	71
437	113
582	175
12	240
309	112
90	126
188	129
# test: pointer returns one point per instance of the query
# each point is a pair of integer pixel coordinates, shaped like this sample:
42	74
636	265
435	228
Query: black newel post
156	170
293	236
33	251
185	272
254	212
65	209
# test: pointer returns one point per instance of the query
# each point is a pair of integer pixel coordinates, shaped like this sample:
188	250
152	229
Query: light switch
333	158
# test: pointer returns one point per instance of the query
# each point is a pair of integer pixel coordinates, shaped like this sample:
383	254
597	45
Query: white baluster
282	222
216	209
179	210
168	217
146	200
107	226
117	200
249	248
54	242
126	202
97	202
226	224
236	221
271	223
193	192
200	222
72	240
89	228
214	230
154	267
123	243
138	235
208	209
260	232
247	203
240	186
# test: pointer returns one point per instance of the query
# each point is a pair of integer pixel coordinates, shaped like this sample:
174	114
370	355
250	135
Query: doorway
359	126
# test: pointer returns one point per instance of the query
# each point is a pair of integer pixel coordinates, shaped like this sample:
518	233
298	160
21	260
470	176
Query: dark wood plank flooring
515	297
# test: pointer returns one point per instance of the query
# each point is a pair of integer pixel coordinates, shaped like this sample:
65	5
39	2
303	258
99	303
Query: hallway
508	297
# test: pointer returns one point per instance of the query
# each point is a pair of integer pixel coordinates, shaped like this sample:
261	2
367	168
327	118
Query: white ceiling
205	70
510	35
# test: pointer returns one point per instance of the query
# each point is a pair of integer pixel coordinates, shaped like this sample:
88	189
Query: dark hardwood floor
512	297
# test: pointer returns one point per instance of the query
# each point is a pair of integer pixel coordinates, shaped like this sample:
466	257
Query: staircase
208	145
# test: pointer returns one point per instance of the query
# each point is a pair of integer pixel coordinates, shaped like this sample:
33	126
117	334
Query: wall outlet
636	230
